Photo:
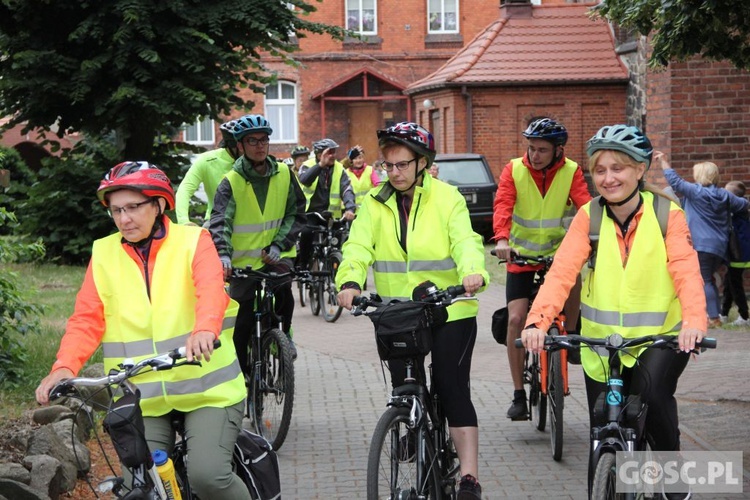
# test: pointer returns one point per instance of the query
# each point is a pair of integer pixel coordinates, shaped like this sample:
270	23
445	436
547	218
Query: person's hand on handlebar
271	254
226	264
49	382
472	283
349	215
346	296
200	345
503	250
688	337
533	339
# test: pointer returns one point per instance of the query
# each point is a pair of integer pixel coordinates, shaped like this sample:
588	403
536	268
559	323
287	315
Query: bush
17	316
21	179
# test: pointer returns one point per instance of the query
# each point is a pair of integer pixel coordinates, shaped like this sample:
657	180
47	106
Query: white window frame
275	117
197	130
442	14
359	29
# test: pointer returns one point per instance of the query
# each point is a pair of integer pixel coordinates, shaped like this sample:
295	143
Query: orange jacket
86	326
574	252
505	198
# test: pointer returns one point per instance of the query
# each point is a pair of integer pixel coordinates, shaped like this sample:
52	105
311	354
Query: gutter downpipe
469	127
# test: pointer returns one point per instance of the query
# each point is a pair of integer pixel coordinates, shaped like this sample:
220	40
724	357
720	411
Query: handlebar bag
124	424
256	463
404	329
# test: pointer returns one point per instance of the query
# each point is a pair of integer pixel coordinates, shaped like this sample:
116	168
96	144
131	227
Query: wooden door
364	121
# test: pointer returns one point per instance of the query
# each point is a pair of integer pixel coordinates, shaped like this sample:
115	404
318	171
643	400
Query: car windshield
463	172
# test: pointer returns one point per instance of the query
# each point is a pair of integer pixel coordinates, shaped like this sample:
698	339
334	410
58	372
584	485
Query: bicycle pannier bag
404	329
124	424
500	325
258	466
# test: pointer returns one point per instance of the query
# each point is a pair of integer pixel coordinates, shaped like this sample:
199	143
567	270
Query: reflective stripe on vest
636	300
138	327
255	229
537	223
334	196
361	185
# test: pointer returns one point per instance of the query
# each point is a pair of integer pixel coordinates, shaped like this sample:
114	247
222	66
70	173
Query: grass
496	270
54	288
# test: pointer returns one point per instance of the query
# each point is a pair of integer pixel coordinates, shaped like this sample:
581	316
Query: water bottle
165	468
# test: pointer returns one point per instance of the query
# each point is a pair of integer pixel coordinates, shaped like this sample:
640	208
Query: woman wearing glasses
151	287
413	229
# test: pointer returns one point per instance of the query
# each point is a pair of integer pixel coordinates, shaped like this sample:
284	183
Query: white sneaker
723	318
740	322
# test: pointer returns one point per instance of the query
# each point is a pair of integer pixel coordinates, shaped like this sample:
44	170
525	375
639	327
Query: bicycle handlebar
249	272
617	341
525	260
128	369
434	296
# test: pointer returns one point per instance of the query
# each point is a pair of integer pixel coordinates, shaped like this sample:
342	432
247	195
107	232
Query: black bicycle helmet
411	135
625	138
226	134
547	129
300	151
324	144
249	124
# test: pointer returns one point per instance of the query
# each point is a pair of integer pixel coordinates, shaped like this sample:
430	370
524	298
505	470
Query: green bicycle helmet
625	138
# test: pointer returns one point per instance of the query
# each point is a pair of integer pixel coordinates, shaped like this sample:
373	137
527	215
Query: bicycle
411	452
270	383
125	422
623	415
546	376
319	280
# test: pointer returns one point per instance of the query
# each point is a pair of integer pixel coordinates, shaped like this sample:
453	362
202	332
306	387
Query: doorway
364	121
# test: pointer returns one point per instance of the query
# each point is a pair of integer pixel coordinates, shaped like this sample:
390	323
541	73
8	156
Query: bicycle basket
500	325
404	329
124	424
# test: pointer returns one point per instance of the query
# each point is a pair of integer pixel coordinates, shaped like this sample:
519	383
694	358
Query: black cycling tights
452	348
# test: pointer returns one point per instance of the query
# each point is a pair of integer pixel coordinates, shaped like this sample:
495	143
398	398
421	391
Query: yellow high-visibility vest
334	196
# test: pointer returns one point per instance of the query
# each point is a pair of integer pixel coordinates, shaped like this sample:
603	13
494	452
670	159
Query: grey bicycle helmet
249	124
324	144
625	138
547	129
300	151
226	133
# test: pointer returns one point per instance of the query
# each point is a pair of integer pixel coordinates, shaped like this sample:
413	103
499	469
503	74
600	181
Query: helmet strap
627	199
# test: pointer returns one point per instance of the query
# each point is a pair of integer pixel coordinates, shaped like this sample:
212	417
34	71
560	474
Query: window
281	111
361	16
442	16
200	132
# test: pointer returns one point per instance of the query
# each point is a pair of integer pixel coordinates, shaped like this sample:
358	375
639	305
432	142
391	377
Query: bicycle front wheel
605	478
393	464
556	401
316	287
329	301
303	286
537	400
273	388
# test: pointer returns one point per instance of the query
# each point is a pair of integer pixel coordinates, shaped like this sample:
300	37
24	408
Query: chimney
515	8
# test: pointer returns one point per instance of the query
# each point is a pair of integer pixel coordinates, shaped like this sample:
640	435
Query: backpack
596	209
258	466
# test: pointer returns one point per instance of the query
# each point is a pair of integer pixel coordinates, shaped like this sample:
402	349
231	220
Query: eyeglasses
252	141
402	165
130	208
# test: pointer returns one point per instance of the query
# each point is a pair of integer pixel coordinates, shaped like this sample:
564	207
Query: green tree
139	67
713	29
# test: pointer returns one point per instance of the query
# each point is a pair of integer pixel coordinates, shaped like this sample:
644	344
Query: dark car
471	174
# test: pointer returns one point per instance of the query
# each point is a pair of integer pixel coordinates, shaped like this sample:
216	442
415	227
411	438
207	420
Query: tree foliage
138	67
713	29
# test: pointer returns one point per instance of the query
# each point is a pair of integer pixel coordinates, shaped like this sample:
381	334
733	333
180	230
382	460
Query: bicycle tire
556	402
605	478
537	400
273	390
316	286
387	475
329	299
303	288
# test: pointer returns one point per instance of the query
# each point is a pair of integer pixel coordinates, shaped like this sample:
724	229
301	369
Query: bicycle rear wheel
605	478
537	400
303	286
329	299
316	286
556	395
273	388
392	462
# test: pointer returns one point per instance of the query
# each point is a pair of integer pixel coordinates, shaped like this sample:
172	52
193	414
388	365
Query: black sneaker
407	448
469	488
519	409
